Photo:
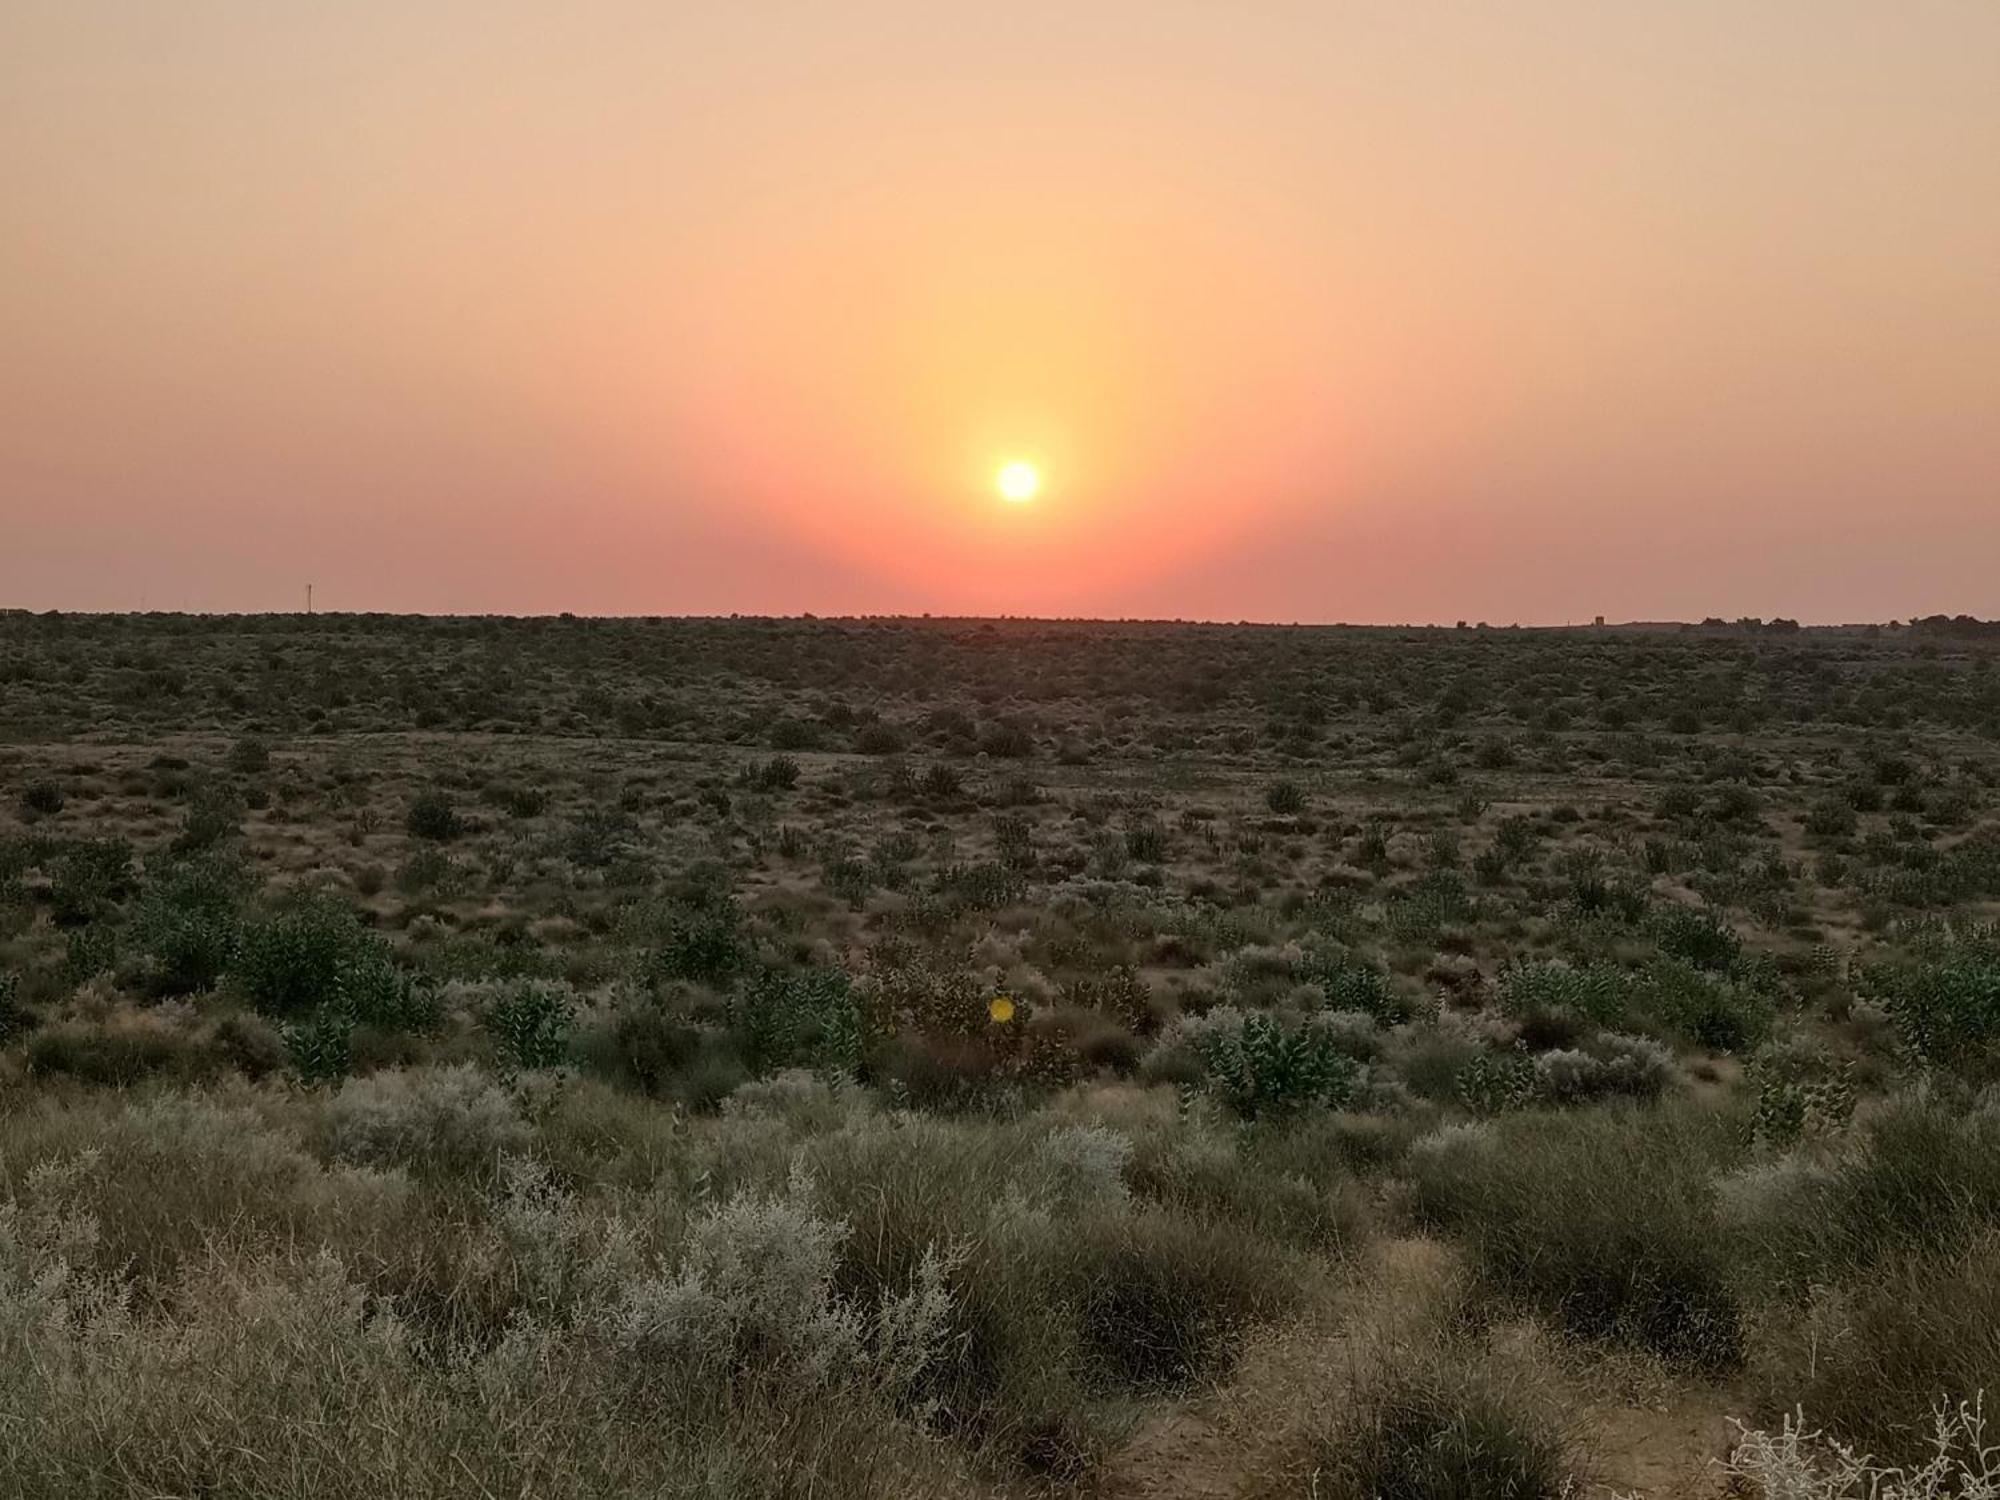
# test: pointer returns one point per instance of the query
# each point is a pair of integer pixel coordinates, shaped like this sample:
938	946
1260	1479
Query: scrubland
753	1058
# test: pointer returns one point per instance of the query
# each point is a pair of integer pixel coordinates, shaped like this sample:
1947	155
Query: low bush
1945	1001
432	816
41	798
1257	1064
1285	798
452	1120
1436	1428
117	1051
1610	1067
188	924
1700	1006
1874	1355
1603	1220
803	1018
531	1023
1922	1175
89	879
1955	1460
1163	1301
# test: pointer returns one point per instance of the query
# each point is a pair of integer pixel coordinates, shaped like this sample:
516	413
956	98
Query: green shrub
89	951
1703	1007
1164	1301
704	945
1874	1357
432	816
90	878
295	961
320	1046
249	755
1285	798
1595	993
1699	937
1258	1065
804	1018
1604	1220
41	798
1432	1427
1349	983
213	815
778	774
1944	1000
187	924
531	1023
1922	1175
1494	1081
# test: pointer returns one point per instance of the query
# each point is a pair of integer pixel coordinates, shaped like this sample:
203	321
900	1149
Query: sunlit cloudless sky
1336	311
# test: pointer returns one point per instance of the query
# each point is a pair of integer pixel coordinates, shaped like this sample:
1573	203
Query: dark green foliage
1430	1429
187	923
41	798
90	878
317	956
89	951
320	1047
1699	937
1945	1000
1703	1007
799	1018
531	1023
1436	899
778	774
1146	842
1349	983
1595	993
214	814
432	816
1496	1081
249	755
293	962
1258	1065
705	944
11	1019
1285	798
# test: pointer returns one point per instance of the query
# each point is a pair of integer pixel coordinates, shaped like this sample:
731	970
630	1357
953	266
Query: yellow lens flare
1018	481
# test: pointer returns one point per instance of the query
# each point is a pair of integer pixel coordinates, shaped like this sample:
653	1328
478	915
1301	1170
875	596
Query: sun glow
1018	482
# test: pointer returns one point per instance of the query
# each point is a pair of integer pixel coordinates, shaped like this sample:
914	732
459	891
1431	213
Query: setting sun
1018	482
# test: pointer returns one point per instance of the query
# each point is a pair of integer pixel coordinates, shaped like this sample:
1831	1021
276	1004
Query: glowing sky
1330	311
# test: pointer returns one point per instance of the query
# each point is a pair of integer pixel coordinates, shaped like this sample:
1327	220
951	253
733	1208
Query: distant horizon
1710	622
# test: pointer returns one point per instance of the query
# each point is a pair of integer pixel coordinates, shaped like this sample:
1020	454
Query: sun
1018	481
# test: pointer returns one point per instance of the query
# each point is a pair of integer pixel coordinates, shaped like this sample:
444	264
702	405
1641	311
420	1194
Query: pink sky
1369	311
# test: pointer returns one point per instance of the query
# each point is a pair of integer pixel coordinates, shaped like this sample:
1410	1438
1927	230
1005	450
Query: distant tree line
1956	626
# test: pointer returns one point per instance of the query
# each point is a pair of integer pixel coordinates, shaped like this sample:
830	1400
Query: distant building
1600	622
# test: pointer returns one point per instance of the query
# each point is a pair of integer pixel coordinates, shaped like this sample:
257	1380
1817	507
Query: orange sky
1385	311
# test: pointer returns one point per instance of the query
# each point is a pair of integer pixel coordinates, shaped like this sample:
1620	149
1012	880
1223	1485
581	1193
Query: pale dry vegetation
745	1058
